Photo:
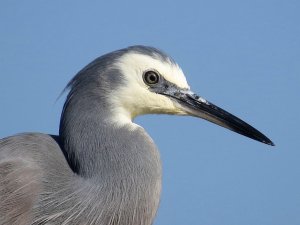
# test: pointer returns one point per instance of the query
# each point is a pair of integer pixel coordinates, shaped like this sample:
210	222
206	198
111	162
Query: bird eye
151	77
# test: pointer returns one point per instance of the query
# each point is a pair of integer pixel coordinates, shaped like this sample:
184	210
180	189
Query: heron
102	168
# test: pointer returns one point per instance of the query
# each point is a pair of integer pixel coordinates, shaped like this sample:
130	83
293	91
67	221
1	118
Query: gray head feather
103	65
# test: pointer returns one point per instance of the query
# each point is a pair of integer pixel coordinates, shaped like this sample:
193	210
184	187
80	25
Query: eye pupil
151	77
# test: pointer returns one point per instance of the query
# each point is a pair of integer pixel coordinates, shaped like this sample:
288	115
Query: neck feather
95	141
121	162
111	155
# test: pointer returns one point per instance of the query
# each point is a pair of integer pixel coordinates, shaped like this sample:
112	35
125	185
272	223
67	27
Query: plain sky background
244	56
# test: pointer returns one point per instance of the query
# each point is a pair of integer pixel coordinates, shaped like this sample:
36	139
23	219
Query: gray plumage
82	176
102	169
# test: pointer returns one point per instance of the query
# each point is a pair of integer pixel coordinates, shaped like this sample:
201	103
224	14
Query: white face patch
134	98
135	64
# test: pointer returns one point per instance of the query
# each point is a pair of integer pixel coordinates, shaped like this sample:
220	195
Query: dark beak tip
270	143
267	141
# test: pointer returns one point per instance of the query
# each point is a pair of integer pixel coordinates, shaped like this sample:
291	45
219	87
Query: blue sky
244	56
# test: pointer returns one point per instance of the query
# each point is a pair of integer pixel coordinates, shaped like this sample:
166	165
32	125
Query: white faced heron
102	168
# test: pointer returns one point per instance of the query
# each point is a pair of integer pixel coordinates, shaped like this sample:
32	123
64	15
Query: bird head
151	82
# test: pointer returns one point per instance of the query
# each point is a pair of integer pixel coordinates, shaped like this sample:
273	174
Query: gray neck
97	145
121	160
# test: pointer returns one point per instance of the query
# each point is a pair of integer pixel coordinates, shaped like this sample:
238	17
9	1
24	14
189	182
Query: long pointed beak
196	106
